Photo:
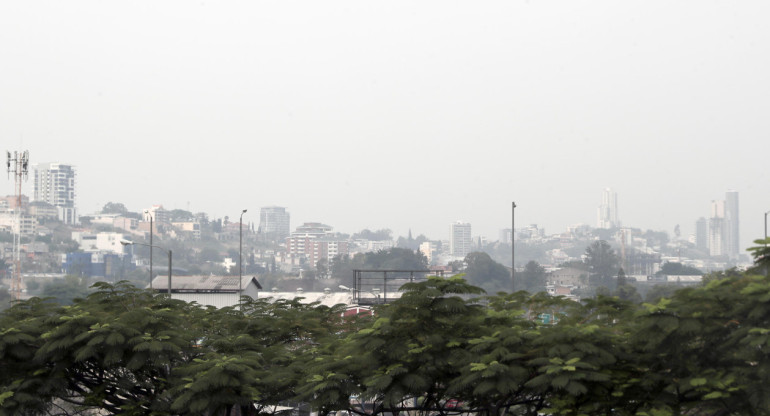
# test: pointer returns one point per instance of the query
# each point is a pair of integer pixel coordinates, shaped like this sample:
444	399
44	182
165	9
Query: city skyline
359	116
272	219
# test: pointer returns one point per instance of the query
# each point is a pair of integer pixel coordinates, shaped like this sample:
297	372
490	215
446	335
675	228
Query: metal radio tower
18	164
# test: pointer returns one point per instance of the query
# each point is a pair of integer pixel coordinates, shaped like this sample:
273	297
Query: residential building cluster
94	246
720	234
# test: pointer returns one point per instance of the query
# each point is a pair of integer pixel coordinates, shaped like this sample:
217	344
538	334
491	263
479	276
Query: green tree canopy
65	291
486	273
601	259
440	348
678	269
123	350
391	259
532	278
379	235
114	208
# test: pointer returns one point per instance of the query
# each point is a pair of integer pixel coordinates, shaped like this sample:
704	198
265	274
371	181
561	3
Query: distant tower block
460	239
274	223
608	211
55	184
717	236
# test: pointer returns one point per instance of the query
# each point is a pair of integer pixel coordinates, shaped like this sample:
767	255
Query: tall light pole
768	212
240	256
131	243
513	251
147	212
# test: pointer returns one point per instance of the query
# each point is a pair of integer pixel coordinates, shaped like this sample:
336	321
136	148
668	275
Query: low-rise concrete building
569	276
101	242
217	291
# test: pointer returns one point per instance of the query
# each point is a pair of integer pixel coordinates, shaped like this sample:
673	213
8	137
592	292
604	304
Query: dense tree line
443	348
342	266
126	351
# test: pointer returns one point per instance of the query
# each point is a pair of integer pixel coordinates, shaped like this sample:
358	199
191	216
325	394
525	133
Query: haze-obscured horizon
397	115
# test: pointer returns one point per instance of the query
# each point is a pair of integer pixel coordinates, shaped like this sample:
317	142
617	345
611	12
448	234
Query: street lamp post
147	212
240	256
131	243
768	212
513	251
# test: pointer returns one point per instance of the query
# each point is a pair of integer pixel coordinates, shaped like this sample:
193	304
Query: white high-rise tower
55	184
460	239
274	222
608	210
717	240
732	224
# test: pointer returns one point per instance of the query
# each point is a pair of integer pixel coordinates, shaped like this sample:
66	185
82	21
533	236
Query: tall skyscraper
702	234
460	240
723	227
732	224
505	235
717	229
608	210
274	222
55	184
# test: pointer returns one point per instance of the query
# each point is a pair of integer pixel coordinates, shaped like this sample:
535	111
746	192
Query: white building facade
274	222
717	229
723	227
460	241
54	183
100	242
608	210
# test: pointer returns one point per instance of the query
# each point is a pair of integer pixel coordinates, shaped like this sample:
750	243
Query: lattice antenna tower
18	164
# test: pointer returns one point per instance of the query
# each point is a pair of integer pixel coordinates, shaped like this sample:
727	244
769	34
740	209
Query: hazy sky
398	114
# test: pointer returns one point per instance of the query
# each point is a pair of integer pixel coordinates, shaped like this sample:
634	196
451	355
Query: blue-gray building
105	265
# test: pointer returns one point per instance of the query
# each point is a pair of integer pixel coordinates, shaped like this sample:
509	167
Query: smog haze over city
400	115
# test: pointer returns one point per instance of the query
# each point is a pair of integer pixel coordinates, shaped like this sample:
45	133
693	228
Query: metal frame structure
372	290
18	164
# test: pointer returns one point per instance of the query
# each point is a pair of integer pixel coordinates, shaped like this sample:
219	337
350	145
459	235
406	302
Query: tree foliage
379	235
395	258
601	259
66	290
486	273
126	351
532	278
443	348
678	269
114	208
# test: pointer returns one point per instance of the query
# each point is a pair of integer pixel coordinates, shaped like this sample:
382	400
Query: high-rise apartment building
732	224
274	222
460	241
158	214
723	227
717	229
608	210
702	234
315	241
505	236
55	184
